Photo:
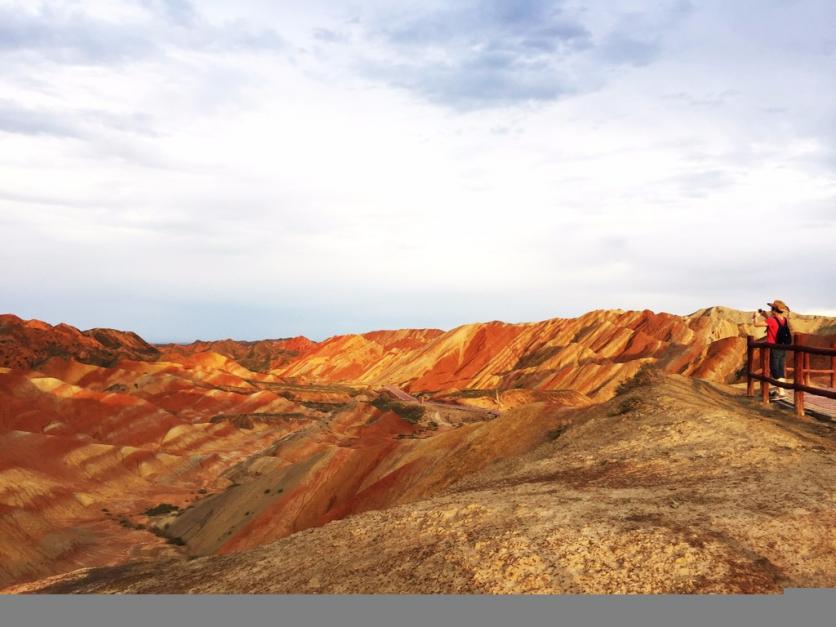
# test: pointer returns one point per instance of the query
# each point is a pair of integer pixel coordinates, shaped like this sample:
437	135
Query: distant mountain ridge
28	343
257	355
592	353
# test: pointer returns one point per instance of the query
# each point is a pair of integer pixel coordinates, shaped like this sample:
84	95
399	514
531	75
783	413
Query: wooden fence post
750	382
798	377
766	373
833	367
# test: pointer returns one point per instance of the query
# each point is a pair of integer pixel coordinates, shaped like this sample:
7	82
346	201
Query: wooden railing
801	370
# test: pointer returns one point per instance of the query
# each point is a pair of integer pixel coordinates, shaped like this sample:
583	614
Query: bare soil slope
235	458
675	485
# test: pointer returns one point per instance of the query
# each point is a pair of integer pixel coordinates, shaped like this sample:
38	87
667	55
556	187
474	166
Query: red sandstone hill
28	343
355	351
591	354
258	356
98	429
674	486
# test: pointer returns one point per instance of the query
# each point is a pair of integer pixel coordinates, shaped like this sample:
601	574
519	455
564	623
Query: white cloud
270	172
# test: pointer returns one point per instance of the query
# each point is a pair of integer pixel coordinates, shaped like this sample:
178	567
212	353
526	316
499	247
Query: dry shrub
647	375
628	405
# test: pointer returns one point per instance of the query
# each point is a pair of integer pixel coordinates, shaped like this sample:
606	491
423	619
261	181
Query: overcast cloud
244	169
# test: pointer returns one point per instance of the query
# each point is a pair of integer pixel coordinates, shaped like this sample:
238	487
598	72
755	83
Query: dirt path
400	394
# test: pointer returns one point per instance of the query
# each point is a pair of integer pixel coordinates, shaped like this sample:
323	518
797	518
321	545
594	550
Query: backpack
783	336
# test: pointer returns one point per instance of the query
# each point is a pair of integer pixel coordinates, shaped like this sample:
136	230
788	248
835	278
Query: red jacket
772	325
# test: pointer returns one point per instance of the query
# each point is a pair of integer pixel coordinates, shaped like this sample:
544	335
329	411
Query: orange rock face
247	442
28	343
590	354
78	463
675	486
258	356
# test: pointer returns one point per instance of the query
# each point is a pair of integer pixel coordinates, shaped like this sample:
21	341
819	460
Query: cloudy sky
260	169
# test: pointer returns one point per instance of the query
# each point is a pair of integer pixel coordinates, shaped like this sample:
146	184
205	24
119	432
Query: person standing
777	332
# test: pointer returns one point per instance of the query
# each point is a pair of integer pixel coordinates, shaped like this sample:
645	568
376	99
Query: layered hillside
85	448
102	464
258	356
112	449
28	343
675	486
591	354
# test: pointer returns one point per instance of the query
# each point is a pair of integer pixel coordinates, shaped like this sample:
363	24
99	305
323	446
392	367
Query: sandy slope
675	486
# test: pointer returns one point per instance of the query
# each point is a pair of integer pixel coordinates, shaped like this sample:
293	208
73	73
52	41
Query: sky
259	169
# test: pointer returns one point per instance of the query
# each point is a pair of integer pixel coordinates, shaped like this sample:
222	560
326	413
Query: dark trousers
776	363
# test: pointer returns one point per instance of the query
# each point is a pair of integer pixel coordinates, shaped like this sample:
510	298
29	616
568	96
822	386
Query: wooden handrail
791	386
813	350
801	371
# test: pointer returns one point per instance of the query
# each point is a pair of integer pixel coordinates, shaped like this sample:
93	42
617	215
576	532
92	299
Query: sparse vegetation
161	509
626	406
290	386
475	393
160	533
556	433
247	421
325	407
537	357
409	412
383	404
129	524
646	375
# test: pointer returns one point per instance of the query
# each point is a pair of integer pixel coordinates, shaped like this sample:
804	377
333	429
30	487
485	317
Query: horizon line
827	313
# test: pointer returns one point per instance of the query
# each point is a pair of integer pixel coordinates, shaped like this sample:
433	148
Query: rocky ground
673	486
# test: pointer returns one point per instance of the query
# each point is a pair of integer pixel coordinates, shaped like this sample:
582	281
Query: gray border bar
794	607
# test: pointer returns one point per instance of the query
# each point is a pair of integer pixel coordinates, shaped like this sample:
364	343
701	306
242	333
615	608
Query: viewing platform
812	364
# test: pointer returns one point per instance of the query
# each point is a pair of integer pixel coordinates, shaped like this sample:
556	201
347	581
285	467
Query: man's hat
779	305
